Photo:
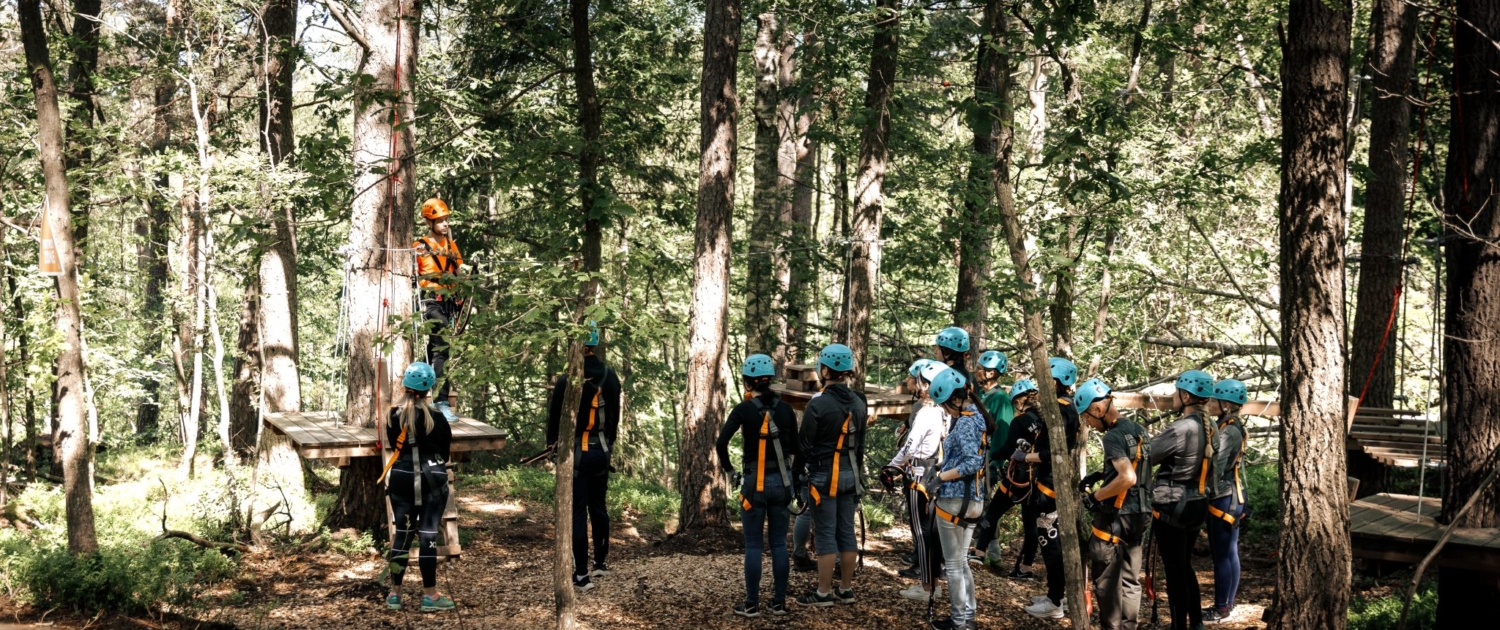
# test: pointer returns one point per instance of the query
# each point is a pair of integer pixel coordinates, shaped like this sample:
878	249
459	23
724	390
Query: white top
924	438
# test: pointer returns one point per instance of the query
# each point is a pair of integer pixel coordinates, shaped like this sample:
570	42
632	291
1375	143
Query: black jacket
823	423
1043	449
598	380
433	446
749	416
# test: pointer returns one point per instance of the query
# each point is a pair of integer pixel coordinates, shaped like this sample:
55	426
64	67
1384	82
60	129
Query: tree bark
765	310
869	196
1036	337
1392	57
79	157
590	121
804	272
72	443
1471	402
1314	560
1101	314
702	488
971	305
381	226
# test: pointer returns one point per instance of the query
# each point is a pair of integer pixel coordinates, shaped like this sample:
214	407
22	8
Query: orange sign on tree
47	262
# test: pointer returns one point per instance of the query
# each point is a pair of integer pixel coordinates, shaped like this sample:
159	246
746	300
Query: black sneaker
845	597
804	564
600	570
975	556
582	584
946	623
748	611
776	609
910	572
1214	614
1021	574
909	558
814	598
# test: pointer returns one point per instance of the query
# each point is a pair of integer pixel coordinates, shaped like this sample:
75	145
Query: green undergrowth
1383	613
1263	494
649	506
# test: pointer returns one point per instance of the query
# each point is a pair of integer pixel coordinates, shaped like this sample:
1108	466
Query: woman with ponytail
417	484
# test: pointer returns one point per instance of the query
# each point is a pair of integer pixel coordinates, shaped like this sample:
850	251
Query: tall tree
1313	568
971	306
380	230
701	486
869	194
1471	401
769	275
72	444
805	173
1026	280
83	40
1393	26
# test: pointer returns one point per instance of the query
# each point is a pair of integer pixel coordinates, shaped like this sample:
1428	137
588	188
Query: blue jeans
833	519
1224	541
801	530
766	519
956	539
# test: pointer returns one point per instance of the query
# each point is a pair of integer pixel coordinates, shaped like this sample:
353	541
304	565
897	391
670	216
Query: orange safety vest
435	260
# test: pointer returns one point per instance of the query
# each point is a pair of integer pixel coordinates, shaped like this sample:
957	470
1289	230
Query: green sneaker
441	602
393	602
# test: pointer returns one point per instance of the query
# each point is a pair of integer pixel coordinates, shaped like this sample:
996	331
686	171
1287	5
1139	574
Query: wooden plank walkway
1386	527
1401	438
322	435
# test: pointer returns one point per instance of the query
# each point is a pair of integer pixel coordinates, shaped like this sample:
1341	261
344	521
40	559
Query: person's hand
1018	456
1087	484
1089	502
736	478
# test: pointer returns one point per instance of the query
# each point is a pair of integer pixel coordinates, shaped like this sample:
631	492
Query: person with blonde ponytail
417	484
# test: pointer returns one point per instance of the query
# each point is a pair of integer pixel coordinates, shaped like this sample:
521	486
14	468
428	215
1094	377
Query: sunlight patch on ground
492	507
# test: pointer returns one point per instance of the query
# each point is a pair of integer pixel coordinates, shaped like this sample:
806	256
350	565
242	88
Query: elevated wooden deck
1400	438
323	435
1386	527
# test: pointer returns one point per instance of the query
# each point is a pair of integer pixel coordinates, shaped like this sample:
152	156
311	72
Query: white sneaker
1045	609
916	593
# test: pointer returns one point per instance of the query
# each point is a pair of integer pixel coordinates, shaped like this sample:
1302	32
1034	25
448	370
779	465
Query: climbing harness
1239	490
768	432
838	455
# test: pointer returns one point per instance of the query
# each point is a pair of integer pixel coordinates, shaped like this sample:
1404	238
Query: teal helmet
1089	392
419	377
1063	370
593	339
758	365
837	357
945	383
1197	383
1022	386
1230	390
953	338
916	367
993	360
933	369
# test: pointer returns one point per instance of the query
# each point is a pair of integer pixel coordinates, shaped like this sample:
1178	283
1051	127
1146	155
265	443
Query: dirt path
504	581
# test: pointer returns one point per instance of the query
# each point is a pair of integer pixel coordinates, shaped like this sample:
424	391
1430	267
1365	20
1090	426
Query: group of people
973	449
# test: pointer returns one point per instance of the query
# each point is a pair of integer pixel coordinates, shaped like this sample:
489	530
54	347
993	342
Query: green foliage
1383	612
647	505
125	578
1263	493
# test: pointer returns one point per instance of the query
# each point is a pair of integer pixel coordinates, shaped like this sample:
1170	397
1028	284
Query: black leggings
441	313
1000	503
414	521
1176	545
590	484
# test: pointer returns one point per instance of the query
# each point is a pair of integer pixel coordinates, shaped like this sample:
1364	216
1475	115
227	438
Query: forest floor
504	581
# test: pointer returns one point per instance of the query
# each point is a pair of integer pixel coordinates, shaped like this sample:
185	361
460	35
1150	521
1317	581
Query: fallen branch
1170	377
200	541
1227	349
1223	294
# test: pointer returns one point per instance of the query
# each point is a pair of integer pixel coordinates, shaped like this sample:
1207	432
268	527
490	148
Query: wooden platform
1386	527
1398	437
323	435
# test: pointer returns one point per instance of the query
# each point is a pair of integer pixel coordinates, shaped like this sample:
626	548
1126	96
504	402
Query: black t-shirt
1043	470
433	445
601	387
1127	440
750	416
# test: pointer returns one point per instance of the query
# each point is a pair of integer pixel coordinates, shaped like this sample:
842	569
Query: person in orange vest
438	264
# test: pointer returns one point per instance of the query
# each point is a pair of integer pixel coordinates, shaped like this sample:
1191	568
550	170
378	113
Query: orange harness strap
593	413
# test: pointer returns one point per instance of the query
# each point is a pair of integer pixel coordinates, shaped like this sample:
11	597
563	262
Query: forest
218	216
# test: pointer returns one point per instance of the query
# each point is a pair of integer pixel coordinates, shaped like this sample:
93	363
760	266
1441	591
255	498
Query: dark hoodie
597	380
822	424
749	416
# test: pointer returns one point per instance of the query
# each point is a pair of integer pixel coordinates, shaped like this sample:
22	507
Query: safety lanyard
838	454
593	415
770	432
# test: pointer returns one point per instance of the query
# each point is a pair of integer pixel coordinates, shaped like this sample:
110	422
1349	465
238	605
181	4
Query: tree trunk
1393	27
187	291
1471	402
79	157
244	412
702	488
73	446
590	121
1101	314
971	306
765	319
869	196
154	232
804	272
381	224
1314	560
1063	467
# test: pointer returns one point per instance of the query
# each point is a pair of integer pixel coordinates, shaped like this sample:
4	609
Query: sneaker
1045	609
582	584
777	609
975	556
1037	599
434	604
947	623
916	593
910	572
746	610
814	598
448	414
1214	614
845	596
1021	574
908	558
804	564
393	602
600	570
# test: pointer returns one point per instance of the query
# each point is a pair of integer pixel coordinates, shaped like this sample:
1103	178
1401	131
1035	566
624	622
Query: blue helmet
933	369
1063	370
758	365
1090	391
1197	383
1230	390
419	377
945	383
1022	386
953	338
593	339
917	366
993	360
838	357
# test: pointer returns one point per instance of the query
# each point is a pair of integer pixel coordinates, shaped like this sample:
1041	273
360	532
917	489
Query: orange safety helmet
434	209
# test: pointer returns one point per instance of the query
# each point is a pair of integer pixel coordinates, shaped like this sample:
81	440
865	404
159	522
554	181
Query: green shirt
997	401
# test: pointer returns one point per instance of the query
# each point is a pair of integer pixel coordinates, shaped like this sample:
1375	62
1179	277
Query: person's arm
611	406
1003	448
807	433
789	441
1124	479
1224	447
555	407
963	458
1166	444
726	433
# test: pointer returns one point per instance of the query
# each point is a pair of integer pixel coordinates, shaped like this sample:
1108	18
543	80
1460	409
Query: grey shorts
833	519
